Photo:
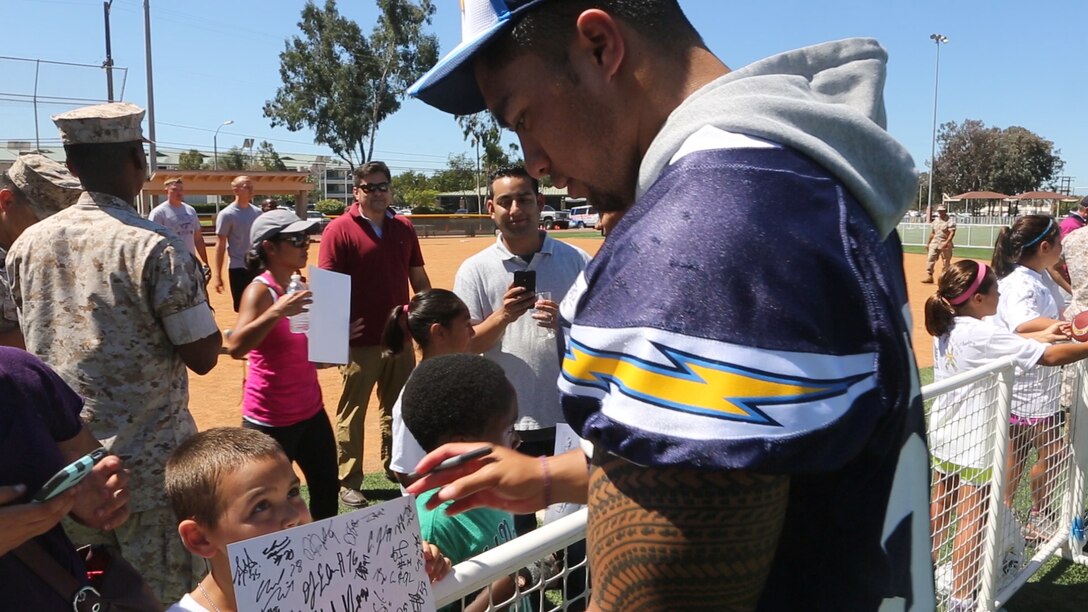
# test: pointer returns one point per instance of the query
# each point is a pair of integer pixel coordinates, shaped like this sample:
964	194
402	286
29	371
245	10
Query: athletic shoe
928	280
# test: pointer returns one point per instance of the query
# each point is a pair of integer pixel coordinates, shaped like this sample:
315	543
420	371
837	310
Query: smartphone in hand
69	476
526	279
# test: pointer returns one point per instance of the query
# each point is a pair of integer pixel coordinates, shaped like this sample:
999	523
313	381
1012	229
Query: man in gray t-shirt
177	216
232	238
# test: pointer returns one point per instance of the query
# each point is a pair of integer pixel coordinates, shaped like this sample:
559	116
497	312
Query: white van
584	216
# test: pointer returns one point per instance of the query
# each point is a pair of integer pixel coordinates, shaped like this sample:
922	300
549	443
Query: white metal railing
529	550
974	235
1002	561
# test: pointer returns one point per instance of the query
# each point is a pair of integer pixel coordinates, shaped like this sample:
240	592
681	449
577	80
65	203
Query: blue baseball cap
451	85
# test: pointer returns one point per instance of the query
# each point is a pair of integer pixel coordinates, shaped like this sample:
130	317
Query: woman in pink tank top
281	396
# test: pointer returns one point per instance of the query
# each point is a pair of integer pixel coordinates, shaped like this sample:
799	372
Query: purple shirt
37	410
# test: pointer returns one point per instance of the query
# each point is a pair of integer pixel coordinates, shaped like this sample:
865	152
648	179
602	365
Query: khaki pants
934	253
149	541
366	368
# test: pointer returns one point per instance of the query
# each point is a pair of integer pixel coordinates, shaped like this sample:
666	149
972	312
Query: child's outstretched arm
499	591
1055	332
437	564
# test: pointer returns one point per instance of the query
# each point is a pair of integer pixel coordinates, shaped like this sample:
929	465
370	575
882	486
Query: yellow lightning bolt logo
696	384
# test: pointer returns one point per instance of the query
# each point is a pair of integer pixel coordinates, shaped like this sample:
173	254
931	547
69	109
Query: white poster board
330	316
370	559
565	440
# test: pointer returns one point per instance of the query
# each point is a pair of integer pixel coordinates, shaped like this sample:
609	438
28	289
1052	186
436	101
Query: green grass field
985	254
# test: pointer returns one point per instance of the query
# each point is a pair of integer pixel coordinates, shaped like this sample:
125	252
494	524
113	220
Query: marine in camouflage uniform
106	298
34	188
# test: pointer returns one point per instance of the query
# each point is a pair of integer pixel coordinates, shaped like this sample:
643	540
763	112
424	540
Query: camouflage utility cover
101	124
47	185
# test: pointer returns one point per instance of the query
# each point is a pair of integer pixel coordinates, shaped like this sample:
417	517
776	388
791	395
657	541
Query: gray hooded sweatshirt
826	101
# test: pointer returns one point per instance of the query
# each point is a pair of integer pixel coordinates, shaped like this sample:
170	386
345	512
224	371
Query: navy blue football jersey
746	314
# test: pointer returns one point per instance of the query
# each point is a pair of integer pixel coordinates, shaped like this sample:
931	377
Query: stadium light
938	39
215	144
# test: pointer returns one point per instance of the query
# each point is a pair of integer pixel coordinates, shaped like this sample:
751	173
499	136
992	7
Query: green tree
232	159
411	180
268	159
190	160
458	175
1030	162
341	84
330	207
974	157
483	129
413	189
416	197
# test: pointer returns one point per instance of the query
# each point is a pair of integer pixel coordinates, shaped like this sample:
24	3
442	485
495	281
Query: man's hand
515	302
102	501
504	479
546	314
218	284
356	329
24	521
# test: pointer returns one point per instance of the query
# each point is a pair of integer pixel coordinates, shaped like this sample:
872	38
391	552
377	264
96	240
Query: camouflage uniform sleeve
178	296
9	317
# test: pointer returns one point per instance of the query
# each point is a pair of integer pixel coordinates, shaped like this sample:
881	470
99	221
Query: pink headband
966	295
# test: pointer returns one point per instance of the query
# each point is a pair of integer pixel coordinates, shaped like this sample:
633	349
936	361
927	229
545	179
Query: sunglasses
371	188
296	240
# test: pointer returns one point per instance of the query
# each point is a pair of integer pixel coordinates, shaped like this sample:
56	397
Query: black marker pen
453	462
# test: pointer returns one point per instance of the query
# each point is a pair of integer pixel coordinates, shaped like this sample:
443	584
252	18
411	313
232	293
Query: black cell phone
525	278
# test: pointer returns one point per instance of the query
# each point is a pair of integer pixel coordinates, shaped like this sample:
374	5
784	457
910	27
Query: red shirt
378	266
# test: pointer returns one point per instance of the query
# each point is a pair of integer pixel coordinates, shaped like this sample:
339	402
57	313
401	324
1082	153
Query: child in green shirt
463	398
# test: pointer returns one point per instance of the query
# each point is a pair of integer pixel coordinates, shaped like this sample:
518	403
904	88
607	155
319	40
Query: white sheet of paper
369	559
565	440
330	315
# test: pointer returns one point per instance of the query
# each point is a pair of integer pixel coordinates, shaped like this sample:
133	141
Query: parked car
317	215
551	218
584	216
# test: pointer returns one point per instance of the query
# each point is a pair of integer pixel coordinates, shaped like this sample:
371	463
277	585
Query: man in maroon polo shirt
380	251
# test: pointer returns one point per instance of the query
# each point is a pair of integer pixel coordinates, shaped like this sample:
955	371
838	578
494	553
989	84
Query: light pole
108	64
215	144
939	39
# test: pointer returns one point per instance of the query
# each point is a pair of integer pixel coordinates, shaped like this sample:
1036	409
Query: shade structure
980	195
1042	195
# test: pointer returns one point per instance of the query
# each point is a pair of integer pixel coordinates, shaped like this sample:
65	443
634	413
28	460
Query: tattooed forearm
679	539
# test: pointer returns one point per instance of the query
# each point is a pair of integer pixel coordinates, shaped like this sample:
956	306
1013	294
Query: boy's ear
195	539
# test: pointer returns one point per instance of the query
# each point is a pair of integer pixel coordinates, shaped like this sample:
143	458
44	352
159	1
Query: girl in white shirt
1031	302
439	323
961	422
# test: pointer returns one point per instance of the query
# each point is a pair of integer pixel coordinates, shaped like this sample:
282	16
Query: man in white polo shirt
522	345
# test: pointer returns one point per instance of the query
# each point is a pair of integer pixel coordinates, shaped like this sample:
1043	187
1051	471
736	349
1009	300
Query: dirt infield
215	399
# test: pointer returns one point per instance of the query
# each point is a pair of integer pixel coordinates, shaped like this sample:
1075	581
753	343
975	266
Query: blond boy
229	484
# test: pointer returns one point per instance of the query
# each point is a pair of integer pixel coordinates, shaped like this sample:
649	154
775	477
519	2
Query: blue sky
1008	63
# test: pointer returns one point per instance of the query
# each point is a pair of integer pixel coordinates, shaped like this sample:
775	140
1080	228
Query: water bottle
299	323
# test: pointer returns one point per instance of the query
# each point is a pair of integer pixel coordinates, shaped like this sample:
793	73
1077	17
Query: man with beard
749	413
